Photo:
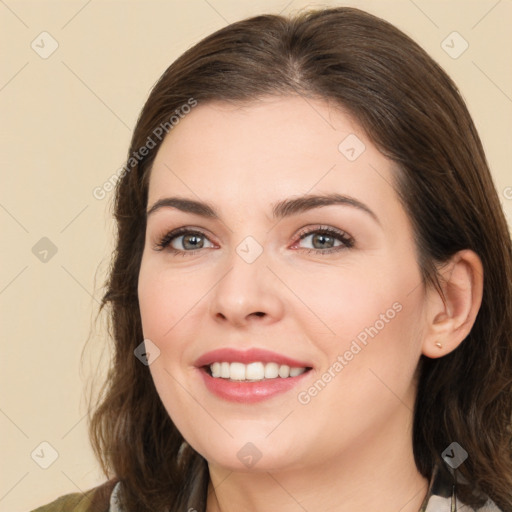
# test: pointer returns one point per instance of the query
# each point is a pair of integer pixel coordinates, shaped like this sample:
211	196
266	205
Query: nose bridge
248	290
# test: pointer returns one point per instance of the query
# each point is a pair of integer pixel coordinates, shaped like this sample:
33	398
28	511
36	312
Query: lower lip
249	392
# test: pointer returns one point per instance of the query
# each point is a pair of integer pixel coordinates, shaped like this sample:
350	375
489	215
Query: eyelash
166	240
346	240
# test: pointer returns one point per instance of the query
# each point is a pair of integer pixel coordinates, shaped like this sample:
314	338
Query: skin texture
349	447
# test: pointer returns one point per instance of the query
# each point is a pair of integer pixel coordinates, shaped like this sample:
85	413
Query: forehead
254	154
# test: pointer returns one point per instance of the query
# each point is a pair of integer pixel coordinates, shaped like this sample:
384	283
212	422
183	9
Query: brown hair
415	115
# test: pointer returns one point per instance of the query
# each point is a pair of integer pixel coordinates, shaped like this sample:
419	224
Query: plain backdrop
73	79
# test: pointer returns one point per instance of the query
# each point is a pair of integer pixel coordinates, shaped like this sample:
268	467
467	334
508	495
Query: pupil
323	241
192	242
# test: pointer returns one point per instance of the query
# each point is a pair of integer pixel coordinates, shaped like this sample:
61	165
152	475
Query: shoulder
442	496
96	499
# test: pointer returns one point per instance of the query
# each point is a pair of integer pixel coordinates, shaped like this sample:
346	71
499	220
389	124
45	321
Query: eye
184	240
324	240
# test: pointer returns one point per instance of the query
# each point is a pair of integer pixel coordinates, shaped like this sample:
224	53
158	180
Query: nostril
259	313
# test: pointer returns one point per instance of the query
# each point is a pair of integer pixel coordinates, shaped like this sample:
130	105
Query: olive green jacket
97	499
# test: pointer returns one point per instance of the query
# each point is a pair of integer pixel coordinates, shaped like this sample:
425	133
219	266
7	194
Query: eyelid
313	228
163	242
346	239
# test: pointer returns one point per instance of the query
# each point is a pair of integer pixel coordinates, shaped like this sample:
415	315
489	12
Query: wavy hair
415	115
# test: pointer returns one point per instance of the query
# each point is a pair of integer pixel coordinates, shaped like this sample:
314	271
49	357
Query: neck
377	473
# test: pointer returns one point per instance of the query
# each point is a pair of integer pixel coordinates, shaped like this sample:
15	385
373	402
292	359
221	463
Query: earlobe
451	316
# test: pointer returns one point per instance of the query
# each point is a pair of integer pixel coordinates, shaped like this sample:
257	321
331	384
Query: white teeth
253	371
215	368
224	370
237	371
284	371
295	372
271	371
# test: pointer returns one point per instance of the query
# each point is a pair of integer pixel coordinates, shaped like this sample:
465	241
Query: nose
247	294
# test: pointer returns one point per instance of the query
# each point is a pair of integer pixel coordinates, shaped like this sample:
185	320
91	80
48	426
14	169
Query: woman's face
276	243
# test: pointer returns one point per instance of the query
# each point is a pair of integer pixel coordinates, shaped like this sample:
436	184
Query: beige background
66	122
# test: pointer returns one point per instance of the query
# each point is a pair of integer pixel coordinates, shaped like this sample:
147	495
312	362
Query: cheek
367	324
369	364
173	307
167	304
167	299
363	301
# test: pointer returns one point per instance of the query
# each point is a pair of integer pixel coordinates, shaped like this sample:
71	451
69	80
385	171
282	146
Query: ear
451	316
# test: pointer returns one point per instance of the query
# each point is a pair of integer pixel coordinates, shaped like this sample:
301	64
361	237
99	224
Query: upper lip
232	355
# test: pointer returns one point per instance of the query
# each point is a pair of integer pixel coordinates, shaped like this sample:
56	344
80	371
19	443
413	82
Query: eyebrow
280	210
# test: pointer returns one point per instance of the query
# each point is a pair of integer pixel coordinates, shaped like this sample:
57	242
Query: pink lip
253	355
248	392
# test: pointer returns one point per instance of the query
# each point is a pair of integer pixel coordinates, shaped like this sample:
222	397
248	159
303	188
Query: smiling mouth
252	372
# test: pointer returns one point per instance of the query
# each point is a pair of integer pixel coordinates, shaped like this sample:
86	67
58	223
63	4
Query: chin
243	455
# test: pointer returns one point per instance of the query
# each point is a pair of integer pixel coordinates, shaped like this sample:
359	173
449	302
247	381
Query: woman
311	295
